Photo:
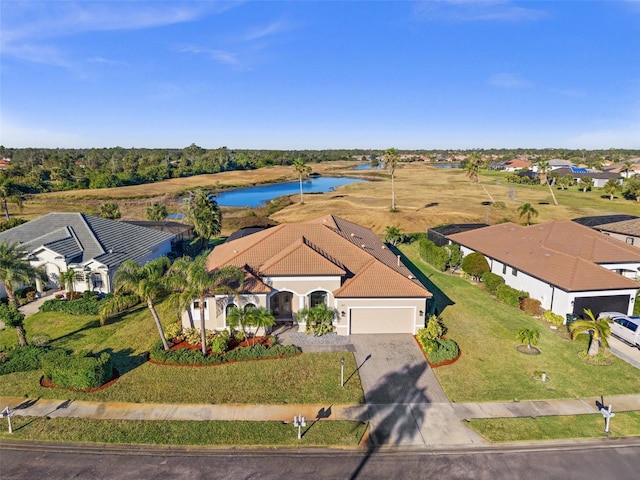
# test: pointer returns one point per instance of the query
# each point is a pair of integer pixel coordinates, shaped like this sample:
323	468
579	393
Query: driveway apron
405	402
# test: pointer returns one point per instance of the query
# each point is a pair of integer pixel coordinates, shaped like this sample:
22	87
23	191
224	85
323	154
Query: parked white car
610	315
627	328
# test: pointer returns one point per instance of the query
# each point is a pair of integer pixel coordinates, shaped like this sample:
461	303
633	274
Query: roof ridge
84	220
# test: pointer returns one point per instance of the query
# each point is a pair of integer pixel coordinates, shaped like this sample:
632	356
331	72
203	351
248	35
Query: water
368	166
446	165
256	196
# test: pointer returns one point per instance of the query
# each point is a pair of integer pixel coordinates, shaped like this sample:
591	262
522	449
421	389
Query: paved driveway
405	403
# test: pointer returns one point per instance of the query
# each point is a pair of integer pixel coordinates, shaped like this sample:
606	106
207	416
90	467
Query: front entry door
281	305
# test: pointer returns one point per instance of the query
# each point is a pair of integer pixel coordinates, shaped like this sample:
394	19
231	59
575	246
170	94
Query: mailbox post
299	422
342	372
8	413
608	415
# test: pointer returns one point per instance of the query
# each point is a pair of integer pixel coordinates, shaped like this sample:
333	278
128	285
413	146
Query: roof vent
111	250
363	245
383	247
235	251
411	277
353	234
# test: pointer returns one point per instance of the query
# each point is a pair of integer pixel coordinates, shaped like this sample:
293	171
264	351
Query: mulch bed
528	350
48	384
444	362
233	344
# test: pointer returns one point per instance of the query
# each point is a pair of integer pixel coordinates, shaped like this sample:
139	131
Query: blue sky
332	74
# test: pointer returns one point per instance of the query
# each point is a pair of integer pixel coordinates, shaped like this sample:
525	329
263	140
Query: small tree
12	317
67	279
475	264
585	183
156	212
319	319
110	210
435	328
528	336
393	235
528	211
599	330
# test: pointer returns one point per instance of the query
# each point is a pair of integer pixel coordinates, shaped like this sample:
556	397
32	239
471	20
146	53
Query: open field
425	195
491	369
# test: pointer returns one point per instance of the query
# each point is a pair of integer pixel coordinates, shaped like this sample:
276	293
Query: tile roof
81	238
328	246
562	253
626	227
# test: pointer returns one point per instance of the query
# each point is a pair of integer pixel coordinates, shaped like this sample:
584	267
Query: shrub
510	295
475	264
432	254
435	329
22	359
173	331
492	281
86	304
531	306
415	237
552	318
40	340
447	350
219	344
192	336
77	371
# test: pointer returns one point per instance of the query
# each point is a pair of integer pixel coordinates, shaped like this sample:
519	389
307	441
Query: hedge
87	304
492	281
447	350
186	356
21	359
78	372
510	295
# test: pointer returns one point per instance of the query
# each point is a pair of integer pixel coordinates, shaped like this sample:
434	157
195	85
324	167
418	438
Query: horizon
414	75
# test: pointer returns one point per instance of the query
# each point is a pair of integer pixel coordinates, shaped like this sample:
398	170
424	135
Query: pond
368	166
256	196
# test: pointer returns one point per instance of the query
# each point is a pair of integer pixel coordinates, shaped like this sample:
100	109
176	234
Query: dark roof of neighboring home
528	174
329	246
456	228
561	253
243	232
163	226
579	173
603	219
81	238
625	227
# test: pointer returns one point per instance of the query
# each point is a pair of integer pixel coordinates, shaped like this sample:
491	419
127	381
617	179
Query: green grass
307	378
624	424
215	433
490	368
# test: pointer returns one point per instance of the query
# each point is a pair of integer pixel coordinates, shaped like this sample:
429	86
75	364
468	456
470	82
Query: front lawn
490	368
307	378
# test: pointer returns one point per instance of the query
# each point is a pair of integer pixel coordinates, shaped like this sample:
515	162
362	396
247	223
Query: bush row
510	295
77	371
440	258
186	356
87	304
21	359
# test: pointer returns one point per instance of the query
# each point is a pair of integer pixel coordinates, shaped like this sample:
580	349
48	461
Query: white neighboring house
93	247
627	231
566	266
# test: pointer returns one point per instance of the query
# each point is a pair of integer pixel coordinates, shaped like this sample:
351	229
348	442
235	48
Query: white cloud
508	80
477	11
220	56
106	61
271	29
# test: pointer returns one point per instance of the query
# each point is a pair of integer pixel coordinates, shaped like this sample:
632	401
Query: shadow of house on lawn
440	300
396	409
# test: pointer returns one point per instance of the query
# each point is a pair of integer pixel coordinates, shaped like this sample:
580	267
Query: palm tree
473	169
632	187
110	210
204	214
68	279
627	166
10	194
147	282
611	188
303	170
528	211
528	336
156	212
197	282
261	318
598	329
391	159
15	269
543	168
12	317
585	183
393	235
565	181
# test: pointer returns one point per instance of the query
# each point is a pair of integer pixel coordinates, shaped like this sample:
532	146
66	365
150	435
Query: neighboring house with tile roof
328	261
567	266
627	231
93	247
600	179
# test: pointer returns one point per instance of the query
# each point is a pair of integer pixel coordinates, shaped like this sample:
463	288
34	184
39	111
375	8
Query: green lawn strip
490	368
624	424
217	433
307	378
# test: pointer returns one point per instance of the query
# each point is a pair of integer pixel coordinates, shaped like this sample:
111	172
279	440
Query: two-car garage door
382	320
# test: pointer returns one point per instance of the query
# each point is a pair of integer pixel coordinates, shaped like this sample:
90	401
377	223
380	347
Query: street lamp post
342	372
299	422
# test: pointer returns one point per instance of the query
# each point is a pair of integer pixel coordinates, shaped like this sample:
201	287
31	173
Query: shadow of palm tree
125	360
391	409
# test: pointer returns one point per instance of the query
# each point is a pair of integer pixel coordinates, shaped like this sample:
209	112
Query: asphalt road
613	459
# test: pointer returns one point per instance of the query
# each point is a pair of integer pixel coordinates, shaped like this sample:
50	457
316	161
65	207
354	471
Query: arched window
229	307
249	306
317	298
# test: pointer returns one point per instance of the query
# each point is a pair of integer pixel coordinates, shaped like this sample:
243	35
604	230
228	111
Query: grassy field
491	369
266	434
625	424
307	378
426	196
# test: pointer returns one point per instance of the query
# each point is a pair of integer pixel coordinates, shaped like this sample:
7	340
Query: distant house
181	231
5	163
438	235
564	265
600	179
329	261
93	247
516	165
556	163
621	167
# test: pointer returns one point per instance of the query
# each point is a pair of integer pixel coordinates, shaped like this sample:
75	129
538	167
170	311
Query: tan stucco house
327	261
